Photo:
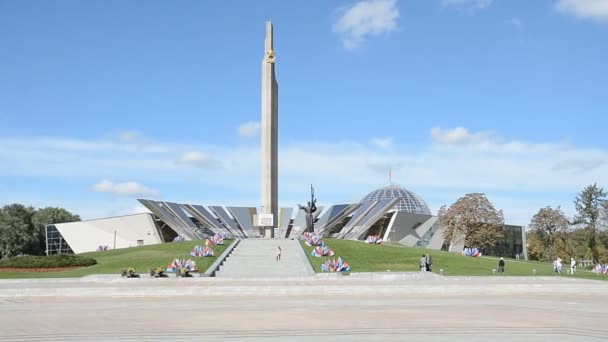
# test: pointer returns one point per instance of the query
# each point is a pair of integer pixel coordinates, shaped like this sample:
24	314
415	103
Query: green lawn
141	258
363	257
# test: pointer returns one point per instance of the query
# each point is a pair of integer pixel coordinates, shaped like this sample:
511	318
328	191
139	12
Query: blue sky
102	102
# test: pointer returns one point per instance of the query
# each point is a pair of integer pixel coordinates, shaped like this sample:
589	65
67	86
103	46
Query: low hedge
51	261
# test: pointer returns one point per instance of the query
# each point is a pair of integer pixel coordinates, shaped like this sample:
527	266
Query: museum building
392	213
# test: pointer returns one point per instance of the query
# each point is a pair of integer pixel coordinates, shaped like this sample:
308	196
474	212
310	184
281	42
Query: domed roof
410	202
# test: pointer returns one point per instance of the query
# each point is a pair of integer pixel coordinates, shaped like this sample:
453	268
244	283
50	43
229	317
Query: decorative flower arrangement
184	272
158	272
217	239
321	251
333	265
199	251
182	264
472	252
374	239
312	239
129	273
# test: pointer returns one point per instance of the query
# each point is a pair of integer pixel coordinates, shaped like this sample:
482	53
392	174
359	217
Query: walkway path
255	258
83	310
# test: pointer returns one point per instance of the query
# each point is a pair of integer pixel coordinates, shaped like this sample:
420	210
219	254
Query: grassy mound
363	257
141	258
53	261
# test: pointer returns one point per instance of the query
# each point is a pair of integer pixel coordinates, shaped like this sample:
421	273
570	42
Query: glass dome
410	202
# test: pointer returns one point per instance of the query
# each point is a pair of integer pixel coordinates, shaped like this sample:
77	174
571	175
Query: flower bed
50	269
61	261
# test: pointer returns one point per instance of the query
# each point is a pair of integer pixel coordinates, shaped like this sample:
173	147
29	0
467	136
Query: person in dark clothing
429	263
501	266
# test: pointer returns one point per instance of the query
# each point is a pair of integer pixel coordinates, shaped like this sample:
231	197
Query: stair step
256	258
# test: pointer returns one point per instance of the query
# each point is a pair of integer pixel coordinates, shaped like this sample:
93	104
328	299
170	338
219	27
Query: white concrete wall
86	236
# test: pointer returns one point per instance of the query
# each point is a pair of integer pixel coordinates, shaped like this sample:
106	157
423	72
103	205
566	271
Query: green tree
16	229
536	246
41	218
474	218
549	224
589	204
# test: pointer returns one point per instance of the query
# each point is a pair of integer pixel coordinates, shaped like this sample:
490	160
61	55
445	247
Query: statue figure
309	209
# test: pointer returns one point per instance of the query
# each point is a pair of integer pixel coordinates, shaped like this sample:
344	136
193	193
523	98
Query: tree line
551	233
22	228
585	236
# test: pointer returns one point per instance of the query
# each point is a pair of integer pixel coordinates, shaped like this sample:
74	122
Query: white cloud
468	5
384	143
453	162
249	129
579	165
129	136
584	9
124	189
364	19
198	159
458	136
516	23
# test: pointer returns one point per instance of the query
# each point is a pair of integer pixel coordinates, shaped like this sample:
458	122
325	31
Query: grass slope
363	257
141	258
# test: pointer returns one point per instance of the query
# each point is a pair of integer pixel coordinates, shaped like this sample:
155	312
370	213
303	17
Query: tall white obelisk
269	127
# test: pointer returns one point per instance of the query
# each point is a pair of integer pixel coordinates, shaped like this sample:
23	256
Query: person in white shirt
559	265
572	265
423	263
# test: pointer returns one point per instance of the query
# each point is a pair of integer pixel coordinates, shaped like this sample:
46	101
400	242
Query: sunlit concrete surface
305	309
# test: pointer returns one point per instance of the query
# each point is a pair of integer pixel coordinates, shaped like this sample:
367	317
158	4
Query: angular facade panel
357	216
337	218
372	216
299	224
244	217
163	212
228	221
191	231
405	224
205	218
114	232
284	220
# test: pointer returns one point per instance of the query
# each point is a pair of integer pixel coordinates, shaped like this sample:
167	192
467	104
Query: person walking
423	263
572	265
501	265
278	254
558	265
429	263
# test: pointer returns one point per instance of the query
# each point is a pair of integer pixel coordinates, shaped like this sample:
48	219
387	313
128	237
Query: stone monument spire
269	134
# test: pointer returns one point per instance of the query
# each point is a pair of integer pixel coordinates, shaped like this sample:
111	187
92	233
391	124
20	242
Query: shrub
51	261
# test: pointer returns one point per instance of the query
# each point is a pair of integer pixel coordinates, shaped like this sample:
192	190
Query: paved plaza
395	307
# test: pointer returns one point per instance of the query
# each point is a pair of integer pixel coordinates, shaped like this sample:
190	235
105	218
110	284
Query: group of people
600	268
426	263
558	263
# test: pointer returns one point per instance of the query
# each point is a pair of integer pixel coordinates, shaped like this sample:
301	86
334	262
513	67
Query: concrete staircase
255	258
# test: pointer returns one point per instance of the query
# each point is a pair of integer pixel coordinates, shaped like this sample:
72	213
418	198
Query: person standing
423	263
429	263
501	265
558	265
572	265
278	255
